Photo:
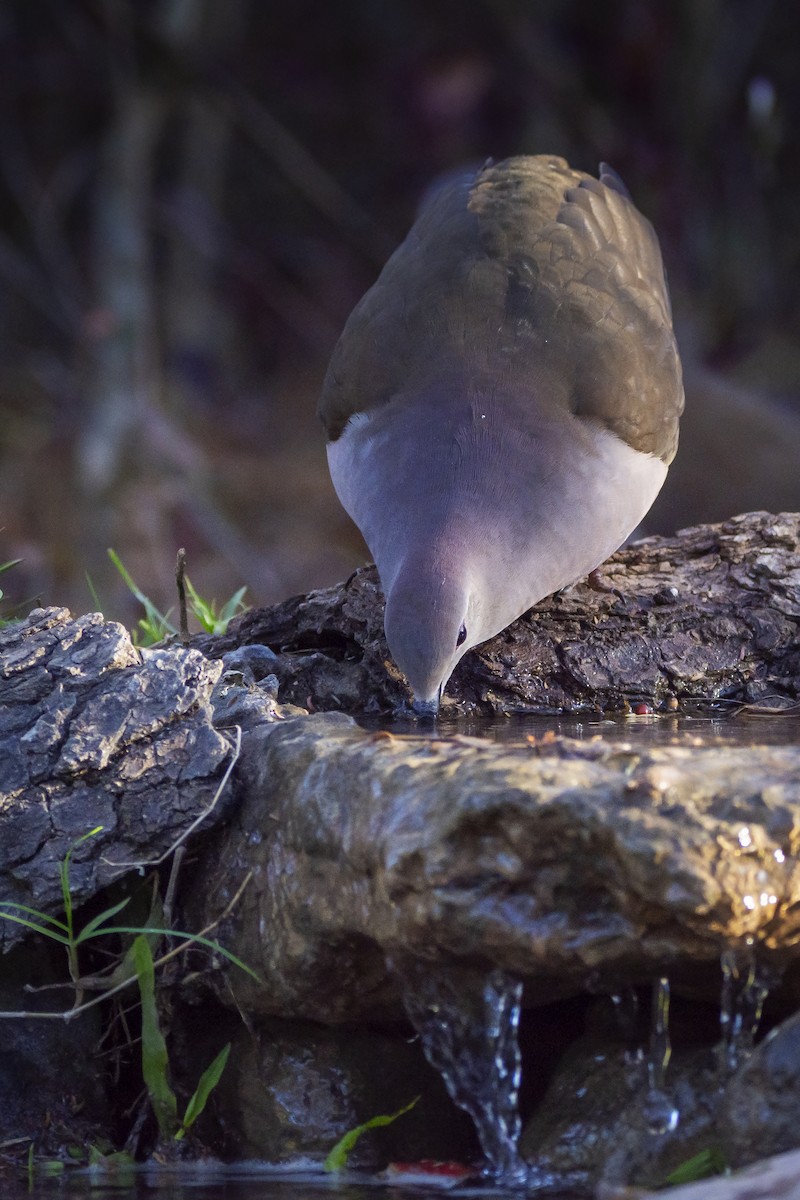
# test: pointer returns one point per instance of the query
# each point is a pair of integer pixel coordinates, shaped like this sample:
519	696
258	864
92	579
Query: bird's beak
427	708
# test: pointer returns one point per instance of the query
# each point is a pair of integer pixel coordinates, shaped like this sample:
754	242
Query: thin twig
180	580
172	885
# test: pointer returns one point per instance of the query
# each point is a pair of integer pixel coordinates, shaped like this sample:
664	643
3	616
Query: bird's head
430	623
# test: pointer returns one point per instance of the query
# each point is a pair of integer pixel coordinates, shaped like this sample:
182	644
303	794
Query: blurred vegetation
193	194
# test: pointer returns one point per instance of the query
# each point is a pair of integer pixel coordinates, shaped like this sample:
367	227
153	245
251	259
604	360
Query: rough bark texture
711	613
95	732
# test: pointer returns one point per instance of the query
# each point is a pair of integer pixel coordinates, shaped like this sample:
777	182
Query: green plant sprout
337	1159
205	611
154	626
138	964
63	931
155	1060
708	1162
53	927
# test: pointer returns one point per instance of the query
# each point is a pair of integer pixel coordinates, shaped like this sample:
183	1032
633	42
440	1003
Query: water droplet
660	1045
745	987
626	1010
660	1114
745	837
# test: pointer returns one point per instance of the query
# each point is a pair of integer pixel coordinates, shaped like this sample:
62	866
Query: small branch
180	580
172	885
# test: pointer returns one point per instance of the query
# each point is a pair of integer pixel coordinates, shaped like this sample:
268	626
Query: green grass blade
63	873
155	625
33	912
93	592
231	607
93	928
208	1081
119	1164
189	937
205	611
202	609
337	1159
708	1162
66	893
154	1049
51	933
127	578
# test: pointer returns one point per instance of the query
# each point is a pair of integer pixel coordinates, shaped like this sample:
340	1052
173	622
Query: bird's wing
527	278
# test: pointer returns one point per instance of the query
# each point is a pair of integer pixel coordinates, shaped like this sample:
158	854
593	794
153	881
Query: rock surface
592	1127
775	1178
95	732
711	613
555	860
760	1107
292	1088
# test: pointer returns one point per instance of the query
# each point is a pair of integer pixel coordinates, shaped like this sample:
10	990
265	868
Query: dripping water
626	1012
660	1113
745	987
468	1024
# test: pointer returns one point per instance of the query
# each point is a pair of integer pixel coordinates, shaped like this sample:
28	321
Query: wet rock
593	1127
293	1089
711	613
95	732
596	1122
572	866
760	1110
775	1178
558	861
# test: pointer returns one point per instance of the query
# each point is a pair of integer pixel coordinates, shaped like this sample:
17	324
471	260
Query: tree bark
94	732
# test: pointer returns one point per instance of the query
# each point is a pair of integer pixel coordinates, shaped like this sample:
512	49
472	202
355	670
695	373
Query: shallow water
243	1183
738	728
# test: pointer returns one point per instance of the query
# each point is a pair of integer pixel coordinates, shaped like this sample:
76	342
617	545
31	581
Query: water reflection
742	728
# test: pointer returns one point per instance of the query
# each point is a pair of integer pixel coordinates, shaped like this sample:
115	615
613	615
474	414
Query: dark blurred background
194	193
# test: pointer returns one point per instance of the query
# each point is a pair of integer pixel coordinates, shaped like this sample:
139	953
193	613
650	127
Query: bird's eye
462	636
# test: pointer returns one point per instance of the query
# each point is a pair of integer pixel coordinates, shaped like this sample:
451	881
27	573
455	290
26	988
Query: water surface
245	1182
734	726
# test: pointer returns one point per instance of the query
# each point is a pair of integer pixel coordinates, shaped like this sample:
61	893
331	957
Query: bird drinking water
503	403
